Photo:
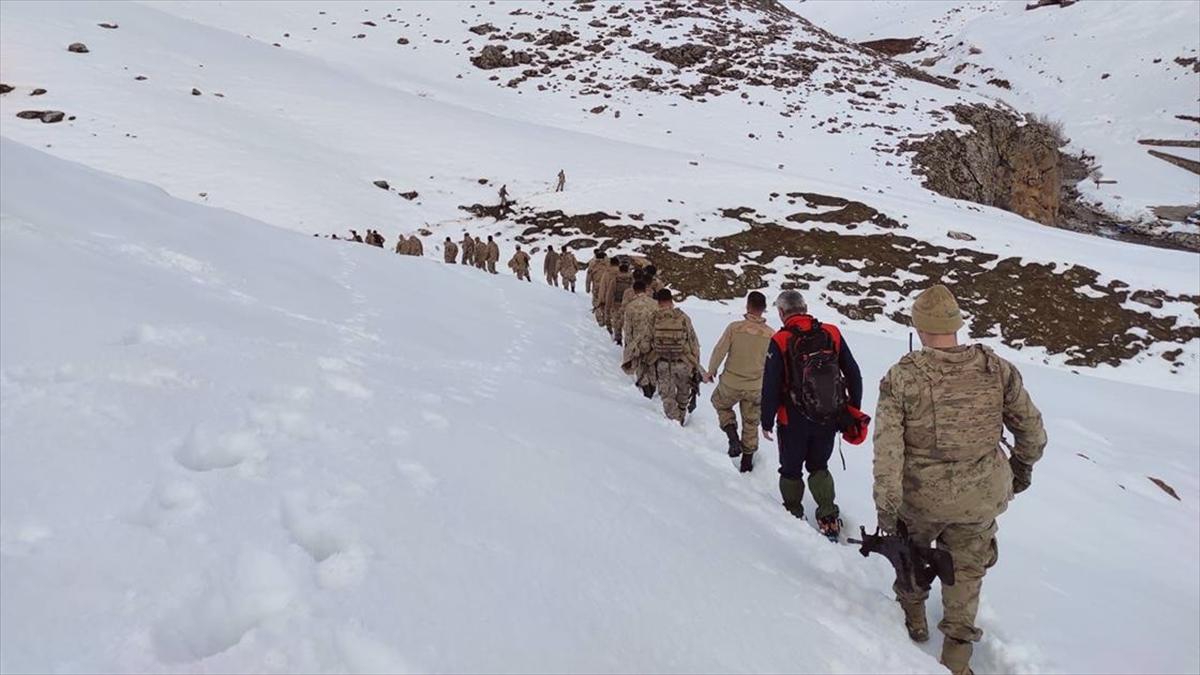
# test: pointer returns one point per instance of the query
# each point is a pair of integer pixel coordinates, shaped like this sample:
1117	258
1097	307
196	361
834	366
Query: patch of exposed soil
1064	309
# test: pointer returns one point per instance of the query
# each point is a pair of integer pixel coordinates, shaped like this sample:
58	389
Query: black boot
735	441
648	391
747	462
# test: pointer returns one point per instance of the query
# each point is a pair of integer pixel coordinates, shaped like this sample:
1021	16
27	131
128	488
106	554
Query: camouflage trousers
568	283
552	278
973	547
674	379
615	320
599	312
491	266
523	275
749	403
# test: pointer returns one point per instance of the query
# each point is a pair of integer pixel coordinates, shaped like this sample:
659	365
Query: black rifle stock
916	566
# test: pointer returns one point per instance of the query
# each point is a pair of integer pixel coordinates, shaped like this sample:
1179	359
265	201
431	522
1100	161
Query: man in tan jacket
415	247
939	466
519	264
743	348
568	268
493	255
468	250
550	266
449	251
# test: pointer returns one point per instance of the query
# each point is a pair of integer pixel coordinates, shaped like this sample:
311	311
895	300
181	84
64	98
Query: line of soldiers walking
940	471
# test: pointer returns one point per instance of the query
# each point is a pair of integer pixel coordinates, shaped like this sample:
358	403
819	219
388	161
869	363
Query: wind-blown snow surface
227	447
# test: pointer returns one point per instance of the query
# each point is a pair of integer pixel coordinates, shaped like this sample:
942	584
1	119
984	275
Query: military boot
915	622
648	391
792	490
747	464
735	441
956	656
828	520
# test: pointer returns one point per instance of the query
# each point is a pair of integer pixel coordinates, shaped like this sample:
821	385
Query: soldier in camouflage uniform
636	324
480	253
568	268
468	250
939	466
743	349
520	264
493	254
621	282
550	266
600	290
415	247
675	352
449	251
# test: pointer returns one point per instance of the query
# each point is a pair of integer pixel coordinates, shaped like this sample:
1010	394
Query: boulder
961	236
37	92
410	195
77	47
382	184
46	116
5	88
110	26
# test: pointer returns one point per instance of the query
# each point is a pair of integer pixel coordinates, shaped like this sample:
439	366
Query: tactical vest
963	415
669	339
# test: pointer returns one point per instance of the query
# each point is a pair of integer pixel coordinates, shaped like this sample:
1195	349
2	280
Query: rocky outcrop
1005	161
499	56
77	47
46	116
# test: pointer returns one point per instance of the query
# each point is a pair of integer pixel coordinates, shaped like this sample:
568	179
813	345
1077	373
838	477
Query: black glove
747	462
1022	475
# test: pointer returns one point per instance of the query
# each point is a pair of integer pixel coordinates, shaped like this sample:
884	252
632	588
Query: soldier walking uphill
493	255
568	267
562	181
596	269
617	285
481	251
468	250
675	352
636	322
810	376
743	349
519	264
449	251
550	266
938	463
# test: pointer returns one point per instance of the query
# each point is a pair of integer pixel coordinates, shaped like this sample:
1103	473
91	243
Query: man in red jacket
805	443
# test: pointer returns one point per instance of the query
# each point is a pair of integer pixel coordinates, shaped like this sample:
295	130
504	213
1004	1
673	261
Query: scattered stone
598	109
139	78
46	116
499	56
961	236
998	82
382	184
5	88
401	41
77	47
410	195
37	92
1164	487
195	91
483	29
110	26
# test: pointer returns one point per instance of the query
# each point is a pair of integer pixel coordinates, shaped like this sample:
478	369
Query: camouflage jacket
450	251
567	265
938	429
493	252
591	280
550	266
519	261
415	247
636	328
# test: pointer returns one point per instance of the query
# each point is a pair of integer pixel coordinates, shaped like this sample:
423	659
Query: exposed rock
37	92
401	41
1004	163
1002	83
410	195
961	236
1147	298
5	88
483	29
499	56
382	184
557	38
684	55
139	78
46	116
1181	162
195	91
110	26
77	47
1164	487
896	46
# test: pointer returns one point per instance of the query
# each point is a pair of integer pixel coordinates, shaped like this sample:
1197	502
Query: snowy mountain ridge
230	446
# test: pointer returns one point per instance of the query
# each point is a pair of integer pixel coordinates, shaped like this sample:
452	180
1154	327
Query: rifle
696	379
916	566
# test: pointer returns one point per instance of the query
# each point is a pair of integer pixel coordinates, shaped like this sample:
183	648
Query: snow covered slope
227	447
295	135
1112	73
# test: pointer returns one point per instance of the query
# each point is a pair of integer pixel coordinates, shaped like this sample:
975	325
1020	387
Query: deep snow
227	447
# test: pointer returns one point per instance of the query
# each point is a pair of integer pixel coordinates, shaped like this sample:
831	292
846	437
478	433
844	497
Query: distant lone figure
562	181
504	196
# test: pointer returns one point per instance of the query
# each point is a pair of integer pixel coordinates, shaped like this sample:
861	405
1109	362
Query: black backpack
814	379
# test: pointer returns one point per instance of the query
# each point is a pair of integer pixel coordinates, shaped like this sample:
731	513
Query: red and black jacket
776	403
